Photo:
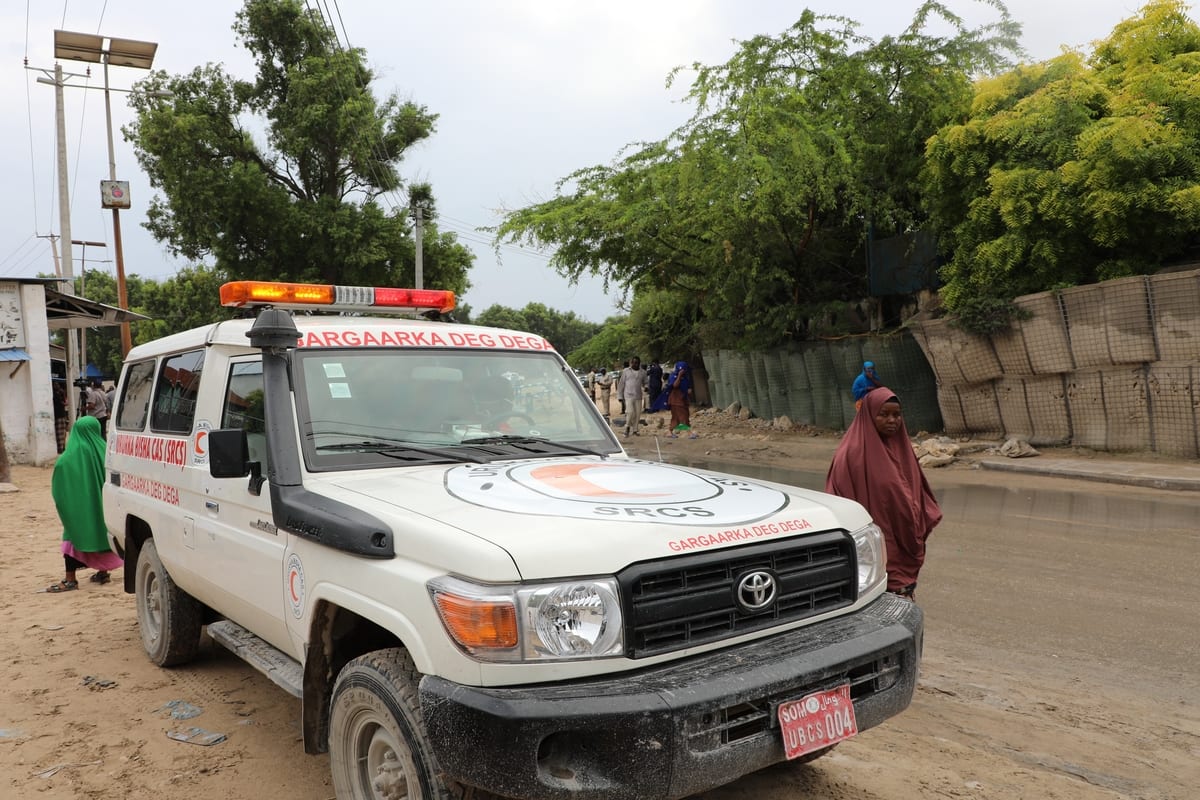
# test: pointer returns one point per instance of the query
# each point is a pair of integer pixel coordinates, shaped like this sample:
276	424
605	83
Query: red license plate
816	721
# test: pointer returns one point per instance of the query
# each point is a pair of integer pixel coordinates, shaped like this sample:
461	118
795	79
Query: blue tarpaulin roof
14	354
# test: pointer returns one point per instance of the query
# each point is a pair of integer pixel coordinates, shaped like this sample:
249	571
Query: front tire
168	617
378	748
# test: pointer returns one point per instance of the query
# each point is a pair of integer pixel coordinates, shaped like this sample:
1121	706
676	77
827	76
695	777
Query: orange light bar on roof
328	297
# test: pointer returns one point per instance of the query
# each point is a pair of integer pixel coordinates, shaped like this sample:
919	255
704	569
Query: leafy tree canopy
282	176
609	348
564	330
188	299
1075	169
756	209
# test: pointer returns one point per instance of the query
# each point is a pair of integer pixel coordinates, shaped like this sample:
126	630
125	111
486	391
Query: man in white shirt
630	387
97	407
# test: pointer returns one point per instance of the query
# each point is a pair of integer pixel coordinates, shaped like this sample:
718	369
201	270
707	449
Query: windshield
382	407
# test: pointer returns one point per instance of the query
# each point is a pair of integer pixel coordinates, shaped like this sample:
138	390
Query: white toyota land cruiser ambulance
427	533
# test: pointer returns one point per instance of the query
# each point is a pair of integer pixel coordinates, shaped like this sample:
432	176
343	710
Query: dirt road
1000	714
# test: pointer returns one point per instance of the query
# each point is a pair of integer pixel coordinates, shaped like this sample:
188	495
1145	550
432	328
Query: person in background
876	466
620	395
867	380
61	416
654	382
75	486
676	396
591	383
604	383
97	406
110	397
630	387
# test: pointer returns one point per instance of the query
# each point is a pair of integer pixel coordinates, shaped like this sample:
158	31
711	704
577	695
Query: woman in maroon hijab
875	465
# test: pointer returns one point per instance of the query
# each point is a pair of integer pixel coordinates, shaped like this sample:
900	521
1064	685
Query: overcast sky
527	92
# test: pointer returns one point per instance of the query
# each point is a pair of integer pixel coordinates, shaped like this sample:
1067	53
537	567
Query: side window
135	396
174	405
243	407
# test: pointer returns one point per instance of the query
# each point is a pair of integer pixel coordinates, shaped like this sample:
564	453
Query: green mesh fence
826	390
800	400
777	386
716	386
763	403
810	384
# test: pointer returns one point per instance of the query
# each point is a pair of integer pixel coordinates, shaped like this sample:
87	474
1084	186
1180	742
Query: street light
121	53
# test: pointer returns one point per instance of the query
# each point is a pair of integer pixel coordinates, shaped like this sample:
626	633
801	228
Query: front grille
691	600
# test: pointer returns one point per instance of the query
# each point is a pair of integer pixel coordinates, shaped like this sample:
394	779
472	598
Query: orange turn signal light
478	623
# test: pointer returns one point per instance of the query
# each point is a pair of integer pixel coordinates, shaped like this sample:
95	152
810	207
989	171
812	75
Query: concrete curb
1150	476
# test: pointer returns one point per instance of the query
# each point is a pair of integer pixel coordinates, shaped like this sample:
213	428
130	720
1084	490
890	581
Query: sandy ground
83	713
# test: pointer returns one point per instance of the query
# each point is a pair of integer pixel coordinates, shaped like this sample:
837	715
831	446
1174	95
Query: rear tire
168	617
378	748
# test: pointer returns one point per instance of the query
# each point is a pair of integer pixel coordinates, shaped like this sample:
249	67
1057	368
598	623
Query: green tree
188	299
498	316
756	210
304	204
613	344
564	330
1073	170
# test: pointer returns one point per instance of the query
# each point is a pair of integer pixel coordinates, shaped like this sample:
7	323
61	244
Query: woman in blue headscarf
675	396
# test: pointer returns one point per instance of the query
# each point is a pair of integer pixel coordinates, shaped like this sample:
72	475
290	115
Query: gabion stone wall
810	383
1110	366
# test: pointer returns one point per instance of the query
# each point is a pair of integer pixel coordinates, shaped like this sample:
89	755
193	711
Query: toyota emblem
756	590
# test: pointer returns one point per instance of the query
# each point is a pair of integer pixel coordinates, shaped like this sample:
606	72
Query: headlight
872	557
531	622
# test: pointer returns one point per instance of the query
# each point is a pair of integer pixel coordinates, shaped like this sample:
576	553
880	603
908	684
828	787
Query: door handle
211	506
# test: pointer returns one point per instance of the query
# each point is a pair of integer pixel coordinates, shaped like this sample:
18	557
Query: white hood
612	512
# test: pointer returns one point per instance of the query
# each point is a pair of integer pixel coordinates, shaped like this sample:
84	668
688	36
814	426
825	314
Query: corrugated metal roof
14	354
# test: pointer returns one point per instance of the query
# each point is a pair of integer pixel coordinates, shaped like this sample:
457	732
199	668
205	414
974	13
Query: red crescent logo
567	478
200	447
292	586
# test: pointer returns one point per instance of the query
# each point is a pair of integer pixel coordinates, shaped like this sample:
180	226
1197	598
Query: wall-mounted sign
114	194
12	329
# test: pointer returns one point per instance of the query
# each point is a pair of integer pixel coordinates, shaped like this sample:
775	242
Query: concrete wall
26	399
1110	366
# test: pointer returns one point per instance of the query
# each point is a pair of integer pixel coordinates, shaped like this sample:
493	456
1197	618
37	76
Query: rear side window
134	403
174	405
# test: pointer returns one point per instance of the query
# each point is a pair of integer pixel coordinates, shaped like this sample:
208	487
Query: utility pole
64	221
122	296
420	266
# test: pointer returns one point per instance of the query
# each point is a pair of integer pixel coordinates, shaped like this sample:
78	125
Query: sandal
62	586
100	577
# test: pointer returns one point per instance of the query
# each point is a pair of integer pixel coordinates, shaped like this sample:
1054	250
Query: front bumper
673	729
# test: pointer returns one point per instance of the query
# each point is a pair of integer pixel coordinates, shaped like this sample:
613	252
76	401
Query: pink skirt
108	560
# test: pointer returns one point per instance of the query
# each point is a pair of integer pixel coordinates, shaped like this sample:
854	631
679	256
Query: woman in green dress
75	485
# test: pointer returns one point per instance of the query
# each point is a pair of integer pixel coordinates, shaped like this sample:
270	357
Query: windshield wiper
519	440
394	450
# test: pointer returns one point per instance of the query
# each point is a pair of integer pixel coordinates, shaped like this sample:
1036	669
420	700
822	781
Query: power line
32	159
16	250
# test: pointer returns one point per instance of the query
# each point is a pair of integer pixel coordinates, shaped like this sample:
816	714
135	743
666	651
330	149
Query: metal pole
64	221
122	296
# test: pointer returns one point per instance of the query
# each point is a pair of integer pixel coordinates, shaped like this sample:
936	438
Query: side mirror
229	457
228	453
